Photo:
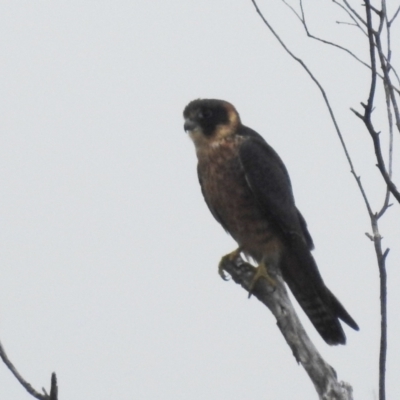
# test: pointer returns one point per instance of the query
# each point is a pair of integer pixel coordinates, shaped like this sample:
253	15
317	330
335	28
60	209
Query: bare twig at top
327	103
302	19
354	12
310	35
352	17
366	117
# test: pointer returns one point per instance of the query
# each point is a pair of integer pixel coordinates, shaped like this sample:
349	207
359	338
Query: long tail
322	308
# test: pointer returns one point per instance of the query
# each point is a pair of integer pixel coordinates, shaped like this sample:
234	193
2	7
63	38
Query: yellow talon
261	272
229	257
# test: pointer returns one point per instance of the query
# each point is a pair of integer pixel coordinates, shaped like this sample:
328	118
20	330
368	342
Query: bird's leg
229	257
261	272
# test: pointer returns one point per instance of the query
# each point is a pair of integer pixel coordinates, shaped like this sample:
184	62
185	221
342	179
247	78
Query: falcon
247	188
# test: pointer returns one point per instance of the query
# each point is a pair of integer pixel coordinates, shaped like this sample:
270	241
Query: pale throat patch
222	132
198	137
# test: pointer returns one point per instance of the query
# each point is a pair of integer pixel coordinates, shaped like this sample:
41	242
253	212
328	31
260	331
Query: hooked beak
189	125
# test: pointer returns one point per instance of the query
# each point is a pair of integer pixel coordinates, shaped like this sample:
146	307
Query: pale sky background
108	252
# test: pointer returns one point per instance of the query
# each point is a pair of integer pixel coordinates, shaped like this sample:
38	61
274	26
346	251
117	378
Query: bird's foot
229	257
261	272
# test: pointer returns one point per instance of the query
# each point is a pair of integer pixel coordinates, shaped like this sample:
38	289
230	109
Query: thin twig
338	131
386	204
349	13
354	12
387	81
388	57
302	19
367	117
394	16
345	23
395	74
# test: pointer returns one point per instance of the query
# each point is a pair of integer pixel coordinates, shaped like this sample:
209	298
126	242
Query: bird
247	188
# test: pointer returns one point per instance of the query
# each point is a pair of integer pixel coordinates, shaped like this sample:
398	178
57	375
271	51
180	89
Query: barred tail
322	308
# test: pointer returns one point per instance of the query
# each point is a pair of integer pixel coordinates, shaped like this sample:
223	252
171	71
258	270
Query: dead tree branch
327	103
353	16
28	387
302	19
374	37
276	299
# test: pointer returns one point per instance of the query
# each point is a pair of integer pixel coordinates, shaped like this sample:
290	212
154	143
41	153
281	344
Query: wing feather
270	184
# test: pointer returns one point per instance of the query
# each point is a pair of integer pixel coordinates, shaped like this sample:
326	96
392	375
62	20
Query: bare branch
327	103
367	118
370	102
394	16
374	40
310	35
276	299
302	19
389	66
375	10
396	75
350	14
381	258
345	23
28	387
354	12
390	122
294	11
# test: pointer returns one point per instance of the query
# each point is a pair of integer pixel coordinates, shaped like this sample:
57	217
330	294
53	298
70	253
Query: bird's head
210	120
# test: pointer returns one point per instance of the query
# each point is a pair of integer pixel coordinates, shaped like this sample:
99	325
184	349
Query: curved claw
228	257
261	272
221	272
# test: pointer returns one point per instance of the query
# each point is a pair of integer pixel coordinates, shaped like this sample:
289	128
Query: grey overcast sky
108	252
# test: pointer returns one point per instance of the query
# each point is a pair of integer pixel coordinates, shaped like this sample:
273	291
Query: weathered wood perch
277	300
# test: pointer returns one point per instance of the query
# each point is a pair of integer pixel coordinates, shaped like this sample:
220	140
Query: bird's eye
206	113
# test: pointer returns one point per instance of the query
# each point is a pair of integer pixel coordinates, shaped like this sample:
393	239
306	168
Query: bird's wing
306	233
270	184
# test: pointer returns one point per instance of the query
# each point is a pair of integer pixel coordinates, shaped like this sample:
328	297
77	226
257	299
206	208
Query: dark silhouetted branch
28	387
